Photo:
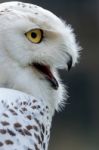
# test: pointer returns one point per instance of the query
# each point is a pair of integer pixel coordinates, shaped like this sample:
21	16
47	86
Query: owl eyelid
33	30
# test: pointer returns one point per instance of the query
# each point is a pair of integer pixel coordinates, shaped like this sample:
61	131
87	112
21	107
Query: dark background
77	127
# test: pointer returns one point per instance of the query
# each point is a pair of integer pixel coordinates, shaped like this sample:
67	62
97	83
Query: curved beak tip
69	63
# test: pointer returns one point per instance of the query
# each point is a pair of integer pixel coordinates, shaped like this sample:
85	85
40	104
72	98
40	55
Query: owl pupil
33	35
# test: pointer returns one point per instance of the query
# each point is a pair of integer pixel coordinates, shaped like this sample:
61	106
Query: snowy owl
34	43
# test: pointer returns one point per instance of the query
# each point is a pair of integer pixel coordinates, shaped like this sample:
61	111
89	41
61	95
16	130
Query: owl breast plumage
24	121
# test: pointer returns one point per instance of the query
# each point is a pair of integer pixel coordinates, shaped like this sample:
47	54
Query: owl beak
46	71
53	81
69	63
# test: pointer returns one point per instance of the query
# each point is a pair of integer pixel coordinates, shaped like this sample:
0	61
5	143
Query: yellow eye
35	35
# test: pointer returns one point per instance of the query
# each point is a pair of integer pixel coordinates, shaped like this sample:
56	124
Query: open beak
46	71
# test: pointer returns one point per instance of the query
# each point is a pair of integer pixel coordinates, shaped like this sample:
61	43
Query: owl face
35	38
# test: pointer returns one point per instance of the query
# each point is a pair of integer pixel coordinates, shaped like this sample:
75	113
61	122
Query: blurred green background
77	126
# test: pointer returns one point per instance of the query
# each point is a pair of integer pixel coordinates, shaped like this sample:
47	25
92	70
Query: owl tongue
48	74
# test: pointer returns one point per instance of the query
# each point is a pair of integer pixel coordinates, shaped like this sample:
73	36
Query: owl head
34	38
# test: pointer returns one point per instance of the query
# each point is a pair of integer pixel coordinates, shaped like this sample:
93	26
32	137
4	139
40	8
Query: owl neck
41	89
28	81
